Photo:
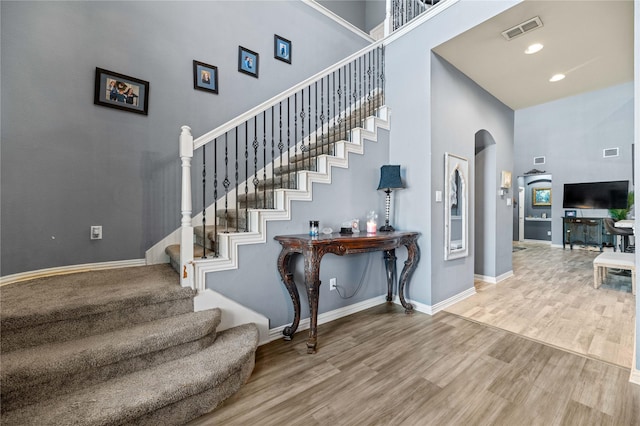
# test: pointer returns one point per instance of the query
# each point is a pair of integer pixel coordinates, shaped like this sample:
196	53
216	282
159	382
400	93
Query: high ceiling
589	41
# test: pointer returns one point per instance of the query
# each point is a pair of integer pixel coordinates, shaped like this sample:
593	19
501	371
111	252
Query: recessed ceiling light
557	77
534	48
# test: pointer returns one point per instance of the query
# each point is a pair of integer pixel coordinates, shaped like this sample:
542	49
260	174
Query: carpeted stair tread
53	364
60	297
137	395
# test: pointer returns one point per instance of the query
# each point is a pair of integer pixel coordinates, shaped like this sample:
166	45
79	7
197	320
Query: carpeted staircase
115	347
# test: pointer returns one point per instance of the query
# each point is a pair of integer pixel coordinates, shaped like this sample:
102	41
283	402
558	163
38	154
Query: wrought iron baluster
322	138
226	182
315	110
344	95
289	141
382	78
273	175
354	92
339	91
246	175
329	130
360	88
237	184
204	201
255	145
369	84
302	145
333	92
347	96
215	197
309	128
280	144
295	133
264	160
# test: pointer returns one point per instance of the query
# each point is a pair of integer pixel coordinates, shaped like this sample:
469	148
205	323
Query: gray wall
364	14
571	133
437	109
68	164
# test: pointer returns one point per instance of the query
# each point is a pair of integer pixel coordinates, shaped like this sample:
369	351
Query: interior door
520	213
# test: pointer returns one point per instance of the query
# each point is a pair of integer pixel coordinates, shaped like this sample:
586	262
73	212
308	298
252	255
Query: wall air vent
610	152
539	160
522	28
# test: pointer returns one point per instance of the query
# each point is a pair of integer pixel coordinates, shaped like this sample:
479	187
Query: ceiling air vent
539	160
610	152
522	28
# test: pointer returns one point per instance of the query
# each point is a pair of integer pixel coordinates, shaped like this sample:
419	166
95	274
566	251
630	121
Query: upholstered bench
616	260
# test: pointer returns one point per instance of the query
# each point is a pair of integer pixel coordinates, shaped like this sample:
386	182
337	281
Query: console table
313	248
588	231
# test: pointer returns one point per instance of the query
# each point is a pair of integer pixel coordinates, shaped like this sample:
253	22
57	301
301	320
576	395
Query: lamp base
386	228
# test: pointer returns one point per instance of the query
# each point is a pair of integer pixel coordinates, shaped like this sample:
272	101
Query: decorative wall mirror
456	207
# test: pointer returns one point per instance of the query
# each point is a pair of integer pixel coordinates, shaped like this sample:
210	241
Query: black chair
625	233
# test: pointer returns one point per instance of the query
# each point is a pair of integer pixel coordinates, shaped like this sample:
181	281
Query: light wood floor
551	299
383	367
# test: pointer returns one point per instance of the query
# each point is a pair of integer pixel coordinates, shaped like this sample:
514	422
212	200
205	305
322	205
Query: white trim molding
276	333
71	269
493	280
329	14
434	309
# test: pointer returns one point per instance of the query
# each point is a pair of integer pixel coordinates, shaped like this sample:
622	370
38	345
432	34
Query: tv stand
586	231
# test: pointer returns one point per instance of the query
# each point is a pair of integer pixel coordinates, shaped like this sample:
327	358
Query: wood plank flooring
383	367
551	299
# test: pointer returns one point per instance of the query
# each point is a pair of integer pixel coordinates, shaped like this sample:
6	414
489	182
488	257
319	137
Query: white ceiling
589	41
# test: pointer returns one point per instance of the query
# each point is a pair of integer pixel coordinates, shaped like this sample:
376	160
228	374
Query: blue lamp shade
390	177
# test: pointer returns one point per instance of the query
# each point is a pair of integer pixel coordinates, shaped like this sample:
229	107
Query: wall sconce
389	180
505	182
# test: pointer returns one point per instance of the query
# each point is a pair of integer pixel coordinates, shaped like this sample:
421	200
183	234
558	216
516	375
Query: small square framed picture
282	49
119	91
205	77
248	61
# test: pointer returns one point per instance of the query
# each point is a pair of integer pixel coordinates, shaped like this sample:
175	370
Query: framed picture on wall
541	196
248	61
119	91
282	49
205	77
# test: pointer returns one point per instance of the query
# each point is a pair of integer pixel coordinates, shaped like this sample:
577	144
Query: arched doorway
485	227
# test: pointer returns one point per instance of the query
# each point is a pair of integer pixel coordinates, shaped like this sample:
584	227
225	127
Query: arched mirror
456	207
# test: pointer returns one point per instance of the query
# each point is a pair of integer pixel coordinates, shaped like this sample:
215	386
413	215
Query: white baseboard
434	309
276	333
71	269
493	280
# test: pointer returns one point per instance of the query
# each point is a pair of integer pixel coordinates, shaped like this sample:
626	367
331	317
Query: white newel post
186	238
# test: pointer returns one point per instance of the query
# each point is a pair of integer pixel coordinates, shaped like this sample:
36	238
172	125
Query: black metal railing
265	148
403	11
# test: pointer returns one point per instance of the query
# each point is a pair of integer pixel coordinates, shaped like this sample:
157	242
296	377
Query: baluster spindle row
309	123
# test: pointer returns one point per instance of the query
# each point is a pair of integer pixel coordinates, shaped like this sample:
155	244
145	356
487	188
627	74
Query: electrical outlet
333	284
96	232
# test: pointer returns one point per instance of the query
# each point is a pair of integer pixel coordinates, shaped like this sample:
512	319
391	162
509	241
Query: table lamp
389	180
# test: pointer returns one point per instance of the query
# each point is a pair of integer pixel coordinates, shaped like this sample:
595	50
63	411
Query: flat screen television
596	195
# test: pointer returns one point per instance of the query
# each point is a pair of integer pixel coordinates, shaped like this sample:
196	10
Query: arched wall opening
485	214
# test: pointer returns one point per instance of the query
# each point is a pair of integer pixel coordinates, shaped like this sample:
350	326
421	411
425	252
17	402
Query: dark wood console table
313	248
